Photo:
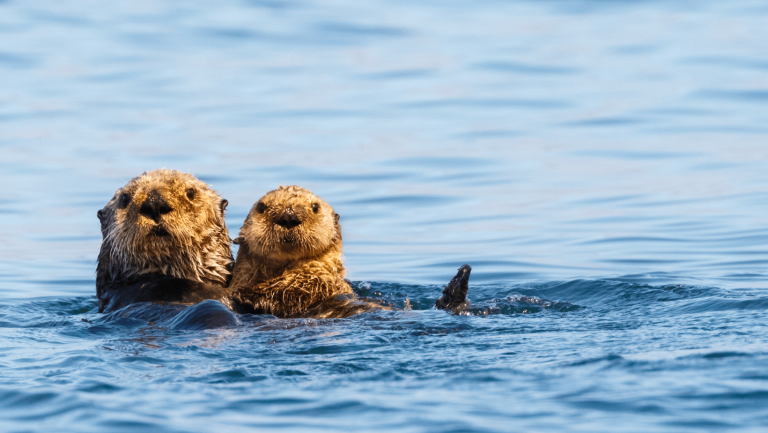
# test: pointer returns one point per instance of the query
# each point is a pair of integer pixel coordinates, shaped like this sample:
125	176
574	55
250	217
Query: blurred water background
609	154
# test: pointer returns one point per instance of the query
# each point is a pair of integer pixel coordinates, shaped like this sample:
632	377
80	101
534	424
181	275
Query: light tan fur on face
188	241
316	233
286	270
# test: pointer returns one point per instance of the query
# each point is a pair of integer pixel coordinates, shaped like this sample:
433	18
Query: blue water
602	165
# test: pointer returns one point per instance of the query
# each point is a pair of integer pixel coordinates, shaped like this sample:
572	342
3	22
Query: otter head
168	222
290	223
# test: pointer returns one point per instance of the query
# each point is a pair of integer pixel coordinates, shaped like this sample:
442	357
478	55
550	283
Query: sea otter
164	239
290	261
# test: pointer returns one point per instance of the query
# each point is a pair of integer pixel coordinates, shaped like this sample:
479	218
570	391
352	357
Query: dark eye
261	207
123	201
191	193
315	207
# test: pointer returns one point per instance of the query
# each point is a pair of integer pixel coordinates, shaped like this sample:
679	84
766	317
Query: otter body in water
164	239
290	261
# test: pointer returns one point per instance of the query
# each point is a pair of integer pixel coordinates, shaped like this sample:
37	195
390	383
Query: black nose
154	206
289	220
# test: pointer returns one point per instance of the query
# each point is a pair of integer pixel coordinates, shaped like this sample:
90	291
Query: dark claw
455	293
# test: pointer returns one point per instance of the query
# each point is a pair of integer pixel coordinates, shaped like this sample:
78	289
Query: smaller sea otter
290	258
164	239
290	262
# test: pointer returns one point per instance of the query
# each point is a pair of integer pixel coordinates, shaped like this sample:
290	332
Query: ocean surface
602	166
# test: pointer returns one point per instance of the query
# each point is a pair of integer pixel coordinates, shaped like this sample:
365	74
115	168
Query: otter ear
338	226
237	241
223	205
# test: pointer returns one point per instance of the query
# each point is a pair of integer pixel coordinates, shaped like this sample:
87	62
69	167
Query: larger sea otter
290	261
164	239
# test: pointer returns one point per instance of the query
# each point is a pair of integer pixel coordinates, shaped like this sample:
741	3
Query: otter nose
288	220
154	206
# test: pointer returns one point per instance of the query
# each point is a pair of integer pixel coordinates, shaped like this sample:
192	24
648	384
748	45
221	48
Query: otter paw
455	293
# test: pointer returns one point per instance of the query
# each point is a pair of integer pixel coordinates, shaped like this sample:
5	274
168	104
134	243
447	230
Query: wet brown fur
187	247
294	269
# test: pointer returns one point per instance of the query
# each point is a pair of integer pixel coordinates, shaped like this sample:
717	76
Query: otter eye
191	193
315	207
123	200
261	207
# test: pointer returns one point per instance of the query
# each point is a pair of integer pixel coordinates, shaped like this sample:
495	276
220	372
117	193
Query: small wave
46	313
440	330
519	304
205	315
36	406
616	294
723	304
598	360
209	314
725	352
230	376
143	311
57	306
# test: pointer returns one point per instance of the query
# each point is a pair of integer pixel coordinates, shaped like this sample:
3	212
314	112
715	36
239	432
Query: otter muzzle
155	206
288	220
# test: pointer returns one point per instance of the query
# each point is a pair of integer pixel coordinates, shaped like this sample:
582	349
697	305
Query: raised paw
455	293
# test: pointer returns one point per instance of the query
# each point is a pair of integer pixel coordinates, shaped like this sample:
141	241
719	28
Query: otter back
156	287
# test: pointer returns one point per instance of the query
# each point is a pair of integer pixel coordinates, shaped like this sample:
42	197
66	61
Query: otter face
290	223
163	218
